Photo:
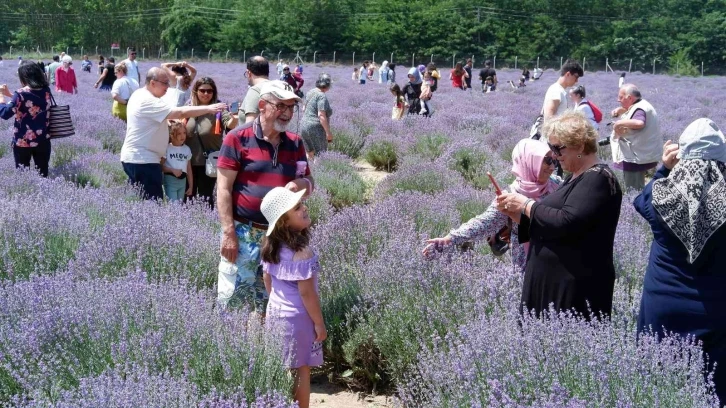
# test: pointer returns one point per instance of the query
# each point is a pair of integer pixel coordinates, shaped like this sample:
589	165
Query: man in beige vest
637	143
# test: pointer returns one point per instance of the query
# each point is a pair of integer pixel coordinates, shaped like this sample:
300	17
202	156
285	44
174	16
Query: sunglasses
557	150
549	160
205	91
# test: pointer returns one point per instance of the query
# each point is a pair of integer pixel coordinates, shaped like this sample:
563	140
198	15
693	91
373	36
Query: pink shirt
65	81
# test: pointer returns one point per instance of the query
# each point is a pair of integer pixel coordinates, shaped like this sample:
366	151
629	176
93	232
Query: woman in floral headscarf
685	280
532	164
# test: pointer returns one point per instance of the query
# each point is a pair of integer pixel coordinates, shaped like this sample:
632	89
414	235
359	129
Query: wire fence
352	58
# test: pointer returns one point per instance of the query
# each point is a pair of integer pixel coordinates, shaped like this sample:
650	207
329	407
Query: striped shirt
259	165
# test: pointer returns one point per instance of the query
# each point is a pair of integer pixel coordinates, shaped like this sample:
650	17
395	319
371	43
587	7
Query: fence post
261	52
537	62
583	64
391	57
209	55
11	51
81	51
630	66
96	49
244	56
515	62
432	57
607	66
472	59
160	48
374	57
413	59
278	54
176	54
226	56
333	57
701	68
192	57
495	62
315	55
653	66
453	60
353	58
143	53
562	64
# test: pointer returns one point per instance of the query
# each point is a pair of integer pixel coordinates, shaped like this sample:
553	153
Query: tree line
686	30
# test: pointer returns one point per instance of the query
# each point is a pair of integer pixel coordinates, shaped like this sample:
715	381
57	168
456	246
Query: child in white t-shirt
177	165
425	93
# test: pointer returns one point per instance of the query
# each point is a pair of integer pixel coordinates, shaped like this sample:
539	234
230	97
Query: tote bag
59	121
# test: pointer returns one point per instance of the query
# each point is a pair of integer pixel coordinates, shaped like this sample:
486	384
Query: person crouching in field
290	272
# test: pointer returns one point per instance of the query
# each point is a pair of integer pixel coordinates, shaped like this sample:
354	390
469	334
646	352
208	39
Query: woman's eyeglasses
557	150
206	91
549	160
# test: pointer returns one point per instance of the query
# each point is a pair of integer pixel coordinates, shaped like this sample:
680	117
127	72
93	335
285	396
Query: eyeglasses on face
549	160
205	91
281	107
163	83
556	149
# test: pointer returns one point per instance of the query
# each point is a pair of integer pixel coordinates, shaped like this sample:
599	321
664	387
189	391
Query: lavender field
107	300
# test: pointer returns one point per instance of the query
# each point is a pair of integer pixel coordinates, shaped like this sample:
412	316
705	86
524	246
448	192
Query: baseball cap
280	90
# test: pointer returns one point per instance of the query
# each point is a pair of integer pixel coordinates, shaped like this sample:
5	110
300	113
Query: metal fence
354	58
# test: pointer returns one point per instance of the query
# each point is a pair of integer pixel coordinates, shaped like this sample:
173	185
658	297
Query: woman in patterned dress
532	164
315	123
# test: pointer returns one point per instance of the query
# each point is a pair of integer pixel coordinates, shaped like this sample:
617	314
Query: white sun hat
276	203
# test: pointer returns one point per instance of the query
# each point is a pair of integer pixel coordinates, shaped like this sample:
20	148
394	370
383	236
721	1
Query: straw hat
276	203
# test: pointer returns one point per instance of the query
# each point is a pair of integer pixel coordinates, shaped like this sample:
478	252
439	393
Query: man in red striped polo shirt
255	158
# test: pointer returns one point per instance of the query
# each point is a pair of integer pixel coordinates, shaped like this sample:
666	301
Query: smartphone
497	190
234	107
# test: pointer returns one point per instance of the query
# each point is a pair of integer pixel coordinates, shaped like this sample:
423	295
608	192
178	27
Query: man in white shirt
555	102
147	134
51	68
132	66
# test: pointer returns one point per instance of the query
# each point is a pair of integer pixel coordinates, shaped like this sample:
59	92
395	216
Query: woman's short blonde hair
121	67
572	129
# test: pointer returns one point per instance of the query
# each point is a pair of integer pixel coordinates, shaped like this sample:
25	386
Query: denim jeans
148	177
174	188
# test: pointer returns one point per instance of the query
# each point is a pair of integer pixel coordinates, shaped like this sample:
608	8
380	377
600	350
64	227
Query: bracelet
310	185
526	203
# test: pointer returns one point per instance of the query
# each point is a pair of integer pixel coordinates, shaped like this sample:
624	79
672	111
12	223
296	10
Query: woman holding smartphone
571	232
532	164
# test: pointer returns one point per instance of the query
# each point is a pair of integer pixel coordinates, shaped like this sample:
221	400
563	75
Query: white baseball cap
279	89
277	202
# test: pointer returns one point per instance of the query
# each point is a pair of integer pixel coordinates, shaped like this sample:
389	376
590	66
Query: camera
604	142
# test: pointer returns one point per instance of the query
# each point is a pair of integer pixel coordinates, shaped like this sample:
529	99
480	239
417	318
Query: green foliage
430	146
347	143
383	155
341	181
680	64
472	165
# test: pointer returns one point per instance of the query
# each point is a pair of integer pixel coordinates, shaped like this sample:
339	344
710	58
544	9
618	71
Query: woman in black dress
572	231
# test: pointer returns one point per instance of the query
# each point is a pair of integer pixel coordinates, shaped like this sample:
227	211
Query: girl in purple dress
291	278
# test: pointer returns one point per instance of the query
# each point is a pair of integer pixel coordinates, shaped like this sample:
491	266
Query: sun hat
703	140
279	89
277	202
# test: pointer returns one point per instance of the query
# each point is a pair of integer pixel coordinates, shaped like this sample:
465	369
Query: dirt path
323	393
368	172
326	395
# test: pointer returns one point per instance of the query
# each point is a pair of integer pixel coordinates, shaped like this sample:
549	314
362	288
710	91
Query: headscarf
416	75
527	158
421	68
692	199
384	65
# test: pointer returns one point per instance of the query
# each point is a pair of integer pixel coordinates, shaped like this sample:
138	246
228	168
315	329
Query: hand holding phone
497	190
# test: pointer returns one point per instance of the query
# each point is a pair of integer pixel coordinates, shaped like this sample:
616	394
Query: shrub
335	174
383	155
350	144
424	177
430	146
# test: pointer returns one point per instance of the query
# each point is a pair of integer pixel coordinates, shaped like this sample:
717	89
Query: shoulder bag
60	123
210	156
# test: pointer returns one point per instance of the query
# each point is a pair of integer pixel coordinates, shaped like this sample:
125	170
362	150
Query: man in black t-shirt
488	71
468	67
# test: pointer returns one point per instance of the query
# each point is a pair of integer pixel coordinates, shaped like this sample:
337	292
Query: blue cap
703	140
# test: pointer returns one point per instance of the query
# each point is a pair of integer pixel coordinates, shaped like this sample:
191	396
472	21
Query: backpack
595	111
